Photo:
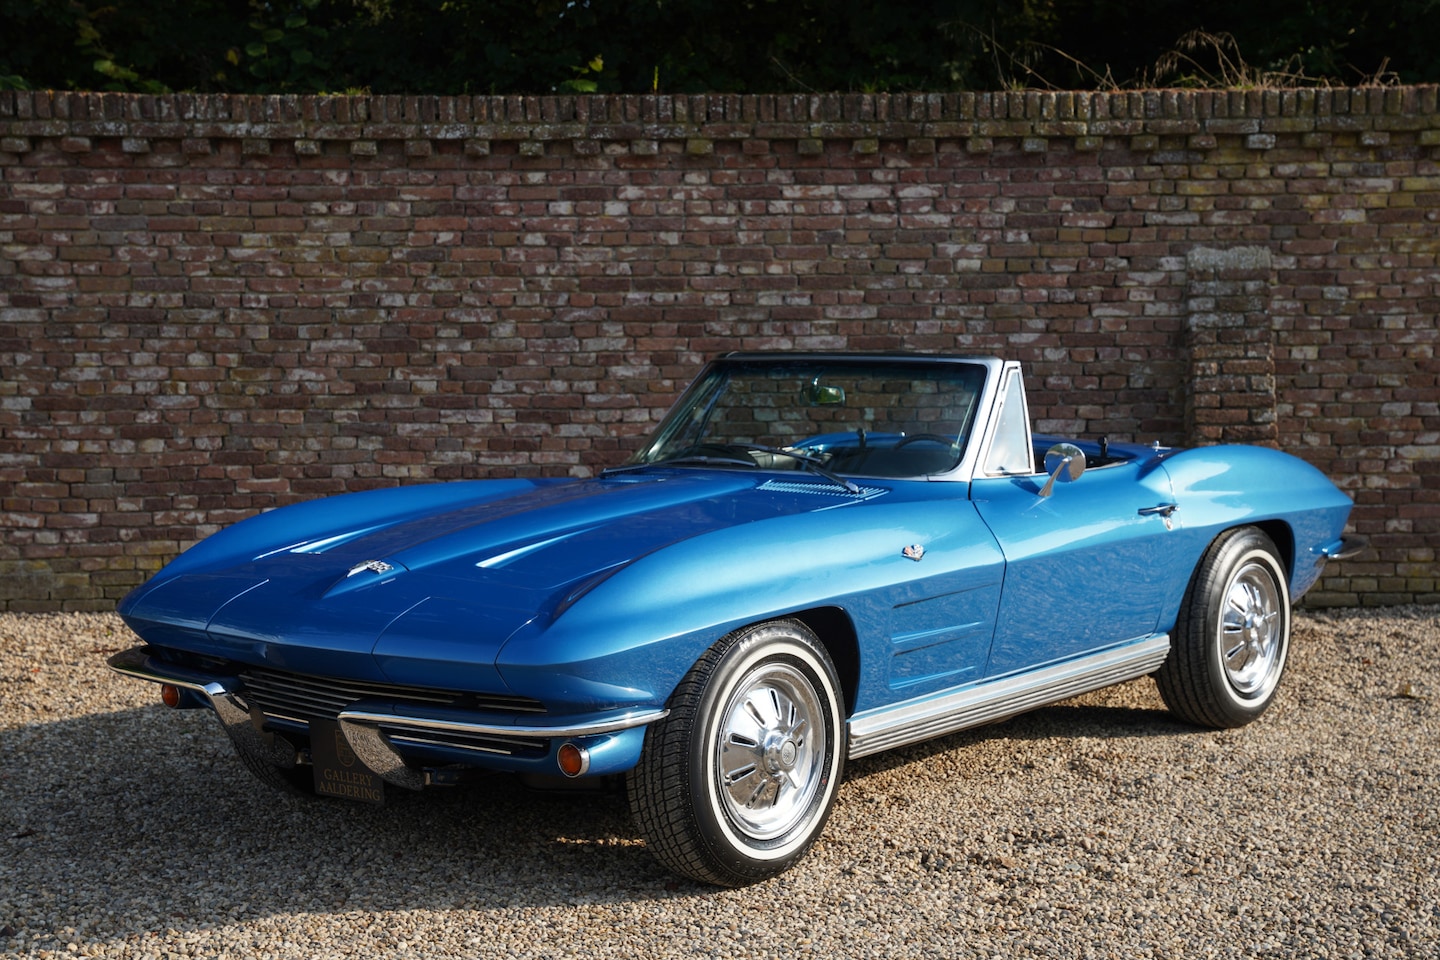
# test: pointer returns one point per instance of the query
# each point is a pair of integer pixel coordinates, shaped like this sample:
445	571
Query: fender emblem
913	552
374	566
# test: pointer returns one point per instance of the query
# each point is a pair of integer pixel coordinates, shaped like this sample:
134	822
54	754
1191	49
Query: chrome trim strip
937	714
362	731
451	745
596	728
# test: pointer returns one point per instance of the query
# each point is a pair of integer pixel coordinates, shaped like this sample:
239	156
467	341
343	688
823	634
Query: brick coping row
1377	111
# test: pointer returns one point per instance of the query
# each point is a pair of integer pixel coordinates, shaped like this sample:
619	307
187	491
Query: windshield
843	416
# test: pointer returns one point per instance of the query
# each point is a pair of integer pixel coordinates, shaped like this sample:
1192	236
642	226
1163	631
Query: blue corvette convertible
814	557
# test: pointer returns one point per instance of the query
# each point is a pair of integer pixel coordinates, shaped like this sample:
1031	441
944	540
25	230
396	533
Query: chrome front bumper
361	722
1346	548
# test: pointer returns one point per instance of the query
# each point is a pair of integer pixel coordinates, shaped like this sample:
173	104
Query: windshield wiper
679	459
807	461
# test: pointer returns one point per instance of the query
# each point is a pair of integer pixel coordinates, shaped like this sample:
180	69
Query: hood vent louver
818	489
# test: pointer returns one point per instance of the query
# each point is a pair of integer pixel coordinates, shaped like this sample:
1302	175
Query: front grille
476	743
293	697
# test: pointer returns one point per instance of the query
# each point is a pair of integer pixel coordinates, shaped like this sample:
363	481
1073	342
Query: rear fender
1230	486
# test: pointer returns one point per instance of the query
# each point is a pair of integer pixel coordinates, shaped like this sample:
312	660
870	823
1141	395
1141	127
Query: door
1082	566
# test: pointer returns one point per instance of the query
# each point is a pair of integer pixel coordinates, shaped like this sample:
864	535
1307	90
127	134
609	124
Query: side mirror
1064	462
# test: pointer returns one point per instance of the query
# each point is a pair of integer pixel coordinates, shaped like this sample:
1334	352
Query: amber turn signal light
573	760
169	694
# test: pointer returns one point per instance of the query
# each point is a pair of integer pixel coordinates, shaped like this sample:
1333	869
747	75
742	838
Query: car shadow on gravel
151	811
1061	722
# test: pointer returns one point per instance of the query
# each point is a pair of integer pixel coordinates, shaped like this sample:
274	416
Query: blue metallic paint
657	616
595	597
1224	486
1084	568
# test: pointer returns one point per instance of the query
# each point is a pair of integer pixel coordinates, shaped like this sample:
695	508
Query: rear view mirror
818	395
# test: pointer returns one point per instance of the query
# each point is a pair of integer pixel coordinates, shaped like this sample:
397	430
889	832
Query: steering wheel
931	437
729	453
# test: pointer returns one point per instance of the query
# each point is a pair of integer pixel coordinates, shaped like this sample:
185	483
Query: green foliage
679	46
287	52
1220	42
586	79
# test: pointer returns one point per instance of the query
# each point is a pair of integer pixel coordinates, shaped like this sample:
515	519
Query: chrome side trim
937	714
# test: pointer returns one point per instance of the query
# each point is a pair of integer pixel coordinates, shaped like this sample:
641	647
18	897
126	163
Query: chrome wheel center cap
780	754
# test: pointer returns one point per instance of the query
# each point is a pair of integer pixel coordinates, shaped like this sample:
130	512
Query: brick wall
210	306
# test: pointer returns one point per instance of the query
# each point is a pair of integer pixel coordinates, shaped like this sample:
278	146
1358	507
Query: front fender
630	639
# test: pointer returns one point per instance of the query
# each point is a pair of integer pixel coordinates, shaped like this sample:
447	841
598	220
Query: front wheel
1232	638
737	782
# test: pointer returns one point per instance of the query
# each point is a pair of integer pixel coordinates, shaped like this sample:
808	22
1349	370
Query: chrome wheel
737	782
768	761
1230	642
1250	638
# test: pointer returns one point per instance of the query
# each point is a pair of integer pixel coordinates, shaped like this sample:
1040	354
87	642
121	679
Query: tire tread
659	791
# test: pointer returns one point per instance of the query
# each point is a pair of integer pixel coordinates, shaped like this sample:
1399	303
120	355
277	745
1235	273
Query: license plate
338	772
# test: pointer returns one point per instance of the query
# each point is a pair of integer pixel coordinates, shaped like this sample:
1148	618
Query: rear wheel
1232	638
737	782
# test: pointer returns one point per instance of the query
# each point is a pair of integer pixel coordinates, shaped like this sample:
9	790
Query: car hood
381	595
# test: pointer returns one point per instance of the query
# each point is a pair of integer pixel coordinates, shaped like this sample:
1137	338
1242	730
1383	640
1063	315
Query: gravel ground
1095	828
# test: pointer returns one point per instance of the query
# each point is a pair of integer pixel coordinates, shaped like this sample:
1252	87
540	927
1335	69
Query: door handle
1165	511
